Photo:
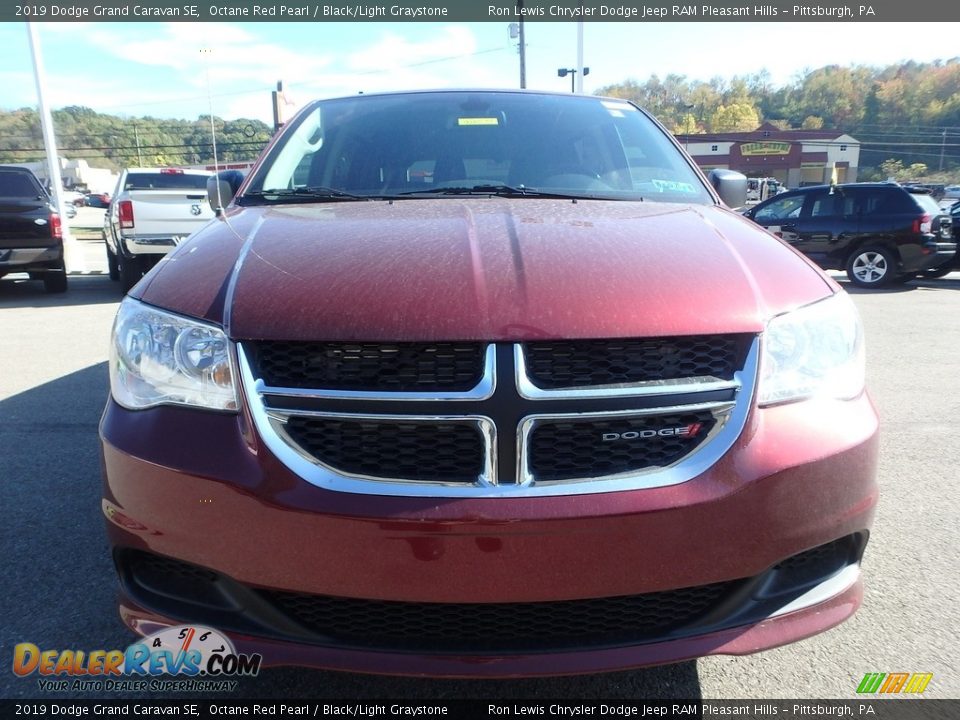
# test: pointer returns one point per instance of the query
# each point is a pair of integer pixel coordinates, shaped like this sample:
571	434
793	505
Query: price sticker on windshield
478	121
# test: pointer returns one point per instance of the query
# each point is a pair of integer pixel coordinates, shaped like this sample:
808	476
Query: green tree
687	126
733	118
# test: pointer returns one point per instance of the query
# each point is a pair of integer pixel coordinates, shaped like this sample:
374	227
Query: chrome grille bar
483	411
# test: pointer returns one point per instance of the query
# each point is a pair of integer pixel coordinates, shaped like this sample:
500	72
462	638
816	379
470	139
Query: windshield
423	144
165	181
18	185
927	203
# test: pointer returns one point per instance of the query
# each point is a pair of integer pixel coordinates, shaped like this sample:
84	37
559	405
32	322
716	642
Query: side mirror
730	185
222	187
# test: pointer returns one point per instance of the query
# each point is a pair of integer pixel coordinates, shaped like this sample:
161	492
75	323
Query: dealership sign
765	148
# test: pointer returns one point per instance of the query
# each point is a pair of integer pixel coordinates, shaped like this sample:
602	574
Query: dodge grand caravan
474	383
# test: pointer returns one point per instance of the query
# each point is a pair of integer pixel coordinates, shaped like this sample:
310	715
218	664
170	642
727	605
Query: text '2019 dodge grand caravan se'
487	383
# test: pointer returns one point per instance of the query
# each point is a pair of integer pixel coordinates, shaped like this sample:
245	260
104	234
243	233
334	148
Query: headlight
157	358
816	351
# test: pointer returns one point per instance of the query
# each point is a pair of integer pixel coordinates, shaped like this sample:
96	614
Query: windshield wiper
501	190
304	193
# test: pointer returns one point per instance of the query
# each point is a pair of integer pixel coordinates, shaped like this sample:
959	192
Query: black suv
31	236
877	232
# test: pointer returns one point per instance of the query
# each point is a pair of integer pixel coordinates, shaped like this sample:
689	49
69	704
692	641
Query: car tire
130	272
871	267
113	266
55	282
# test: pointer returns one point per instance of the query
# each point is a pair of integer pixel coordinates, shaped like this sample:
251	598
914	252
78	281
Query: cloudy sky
163	70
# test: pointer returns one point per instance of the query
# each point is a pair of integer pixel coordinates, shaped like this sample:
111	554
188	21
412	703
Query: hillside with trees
907	113
905	116
113	142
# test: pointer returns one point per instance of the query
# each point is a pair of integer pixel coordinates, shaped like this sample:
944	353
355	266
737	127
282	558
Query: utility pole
277	97
136	135
523	49
943	145
517	33
72	256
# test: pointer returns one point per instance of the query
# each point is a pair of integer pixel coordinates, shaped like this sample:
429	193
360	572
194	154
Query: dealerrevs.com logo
200	658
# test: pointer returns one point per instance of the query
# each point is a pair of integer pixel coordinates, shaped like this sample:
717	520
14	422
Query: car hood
482	268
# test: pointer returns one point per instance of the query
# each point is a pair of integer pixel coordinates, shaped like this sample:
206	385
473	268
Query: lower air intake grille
500	626
392	450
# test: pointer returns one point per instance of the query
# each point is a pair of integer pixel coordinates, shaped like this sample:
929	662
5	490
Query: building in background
76	174
794	157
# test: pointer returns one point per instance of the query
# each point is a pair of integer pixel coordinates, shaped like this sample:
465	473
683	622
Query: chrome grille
505	436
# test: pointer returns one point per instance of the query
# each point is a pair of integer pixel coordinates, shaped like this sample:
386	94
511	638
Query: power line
375	71
143	146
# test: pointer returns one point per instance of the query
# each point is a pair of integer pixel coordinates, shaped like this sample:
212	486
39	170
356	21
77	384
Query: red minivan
487	383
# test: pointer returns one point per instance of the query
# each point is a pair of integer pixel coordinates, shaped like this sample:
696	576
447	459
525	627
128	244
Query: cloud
391	62
158	69
192	51
395	51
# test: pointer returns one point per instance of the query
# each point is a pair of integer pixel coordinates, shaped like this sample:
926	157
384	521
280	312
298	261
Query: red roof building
794	157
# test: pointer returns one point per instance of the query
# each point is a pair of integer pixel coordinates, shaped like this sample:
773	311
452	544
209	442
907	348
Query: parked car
31	234
952	208
97	200
759	189
486	383
877	232
153	210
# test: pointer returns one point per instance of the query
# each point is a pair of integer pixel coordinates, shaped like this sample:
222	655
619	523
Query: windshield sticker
673	186
621	106
478	121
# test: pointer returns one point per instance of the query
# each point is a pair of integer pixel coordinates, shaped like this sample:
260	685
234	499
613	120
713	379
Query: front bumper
801	476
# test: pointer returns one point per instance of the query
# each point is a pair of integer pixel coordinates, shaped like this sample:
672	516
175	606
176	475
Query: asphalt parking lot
60	586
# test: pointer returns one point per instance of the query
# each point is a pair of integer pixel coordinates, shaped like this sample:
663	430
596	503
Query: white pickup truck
152	211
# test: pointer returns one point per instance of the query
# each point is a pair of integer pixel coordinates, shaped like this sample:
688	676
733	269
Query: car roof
486	91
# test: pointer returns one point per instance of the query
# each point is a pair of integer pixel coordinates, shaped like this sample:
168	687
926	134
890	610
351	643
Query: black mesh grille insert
580	363
427	451
388	367
476	627
592	448
813	565
170	577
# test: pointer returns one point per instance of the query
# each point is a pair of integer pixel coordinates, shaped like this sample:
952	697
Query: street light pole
572	72
580	72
